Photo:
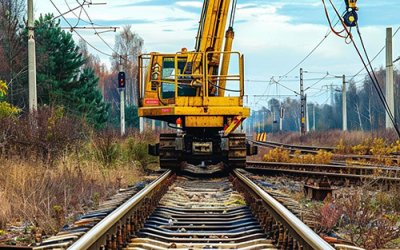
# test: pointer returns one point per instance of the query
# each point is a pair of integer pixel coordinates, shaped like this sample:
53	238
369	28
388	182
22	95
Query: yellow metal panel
193	111
204	121
193	101
225	111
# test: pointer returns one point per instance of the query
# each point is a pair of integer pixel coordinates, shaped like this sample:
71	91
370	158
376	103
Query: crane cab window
168	78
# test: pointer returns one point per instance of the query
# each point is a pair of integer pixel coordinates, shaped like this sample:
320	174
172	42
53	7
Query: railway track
192	213
395	158
332	171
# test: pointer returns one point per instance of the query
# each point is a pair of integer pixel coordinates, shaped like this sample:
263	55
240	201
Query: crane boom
212	25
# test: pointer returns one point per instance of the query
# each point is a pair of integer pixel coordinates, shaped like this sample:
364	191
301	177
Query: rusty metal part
5	247
318	191
201	214
117	226
288	230
194	213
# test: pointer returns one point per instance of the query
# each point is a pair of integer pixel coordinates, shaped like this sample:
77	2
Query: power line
76	32
371	73
379	52
308	55
97	33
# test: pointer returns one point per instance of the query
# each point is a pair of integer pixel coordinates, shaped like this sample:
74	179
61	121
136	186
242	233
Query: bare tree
129	46
94	62
12	49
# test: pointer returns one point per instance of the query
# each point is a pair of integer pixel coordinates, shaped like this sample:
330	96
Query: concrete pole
389	86
141	124
344	104
307	115
31	59
122	104
263	121
302	106
122	112
313	117
281	114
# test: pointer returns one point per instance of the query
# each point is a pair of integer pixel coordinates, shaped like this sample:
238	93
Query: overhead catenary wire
97	33
371	73
90	21
307	56
76	32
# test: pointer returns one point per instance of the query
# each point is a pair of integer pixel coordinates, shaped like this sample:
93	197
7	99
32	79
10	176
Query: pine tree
62	80
88	101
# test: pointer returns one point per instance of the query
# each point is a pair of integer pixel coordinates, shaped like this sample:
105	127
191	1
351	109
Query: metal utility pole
389	86
344	104
31	59
302	105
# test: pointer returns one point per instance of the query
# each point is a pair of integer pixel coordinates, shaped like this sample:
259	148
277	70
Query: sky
274	36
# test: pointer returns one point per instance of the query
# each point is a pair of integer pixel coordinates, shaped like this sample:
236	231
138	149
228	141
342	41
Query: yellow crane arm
212	25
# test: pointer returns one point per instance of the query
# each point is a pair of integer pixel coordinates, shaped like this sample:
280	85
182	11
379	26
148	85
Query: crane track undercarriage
173	150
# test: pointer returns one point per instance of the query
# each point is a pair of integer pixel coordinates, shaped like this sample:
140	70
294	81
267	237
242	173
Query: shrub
365	220
136	150
323	157
43	136
106	147
277	155
327	216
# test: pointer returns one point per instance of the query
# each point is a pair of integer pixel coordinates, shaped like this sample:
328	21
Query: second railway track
193	213
389	175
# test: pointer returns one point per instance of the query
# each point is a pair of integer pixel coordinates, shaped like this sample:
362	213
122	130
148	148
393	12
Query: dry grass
45	197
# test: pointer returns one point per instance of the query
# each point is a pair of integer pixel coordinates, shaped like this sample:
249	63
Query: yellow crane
200	92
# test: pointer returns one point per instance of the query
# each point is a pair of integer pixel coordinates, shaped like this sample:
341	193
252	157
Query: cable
308	55
376	83
73	12
96	33
320	80
76	32
372	75
379	52
233	13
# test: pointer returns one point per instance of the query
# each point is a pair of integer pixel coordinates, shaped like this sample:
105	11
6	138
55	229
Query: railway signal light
121	80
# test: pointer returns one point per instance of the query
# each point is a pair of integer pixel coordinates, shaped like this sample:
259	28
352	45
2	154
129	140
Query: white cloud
272	42
196	4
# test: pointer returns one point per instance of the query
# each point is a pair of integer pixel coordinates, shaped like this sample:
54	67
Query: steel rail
390	174
323	166
99	231
304	148
315	149
307	234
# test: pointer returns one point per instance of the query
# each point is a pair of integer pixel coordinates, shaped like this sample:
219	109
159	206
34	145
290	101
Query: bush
362	216
277	155
106	147
137	151
43	136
